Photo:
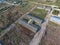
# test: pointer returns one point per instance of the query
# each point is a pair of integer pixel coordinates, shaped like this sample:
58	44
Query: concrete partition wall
33	29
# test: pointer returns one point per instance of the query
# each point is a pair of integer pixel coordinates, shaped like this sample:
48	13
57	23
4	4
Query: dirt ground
19	35
52	36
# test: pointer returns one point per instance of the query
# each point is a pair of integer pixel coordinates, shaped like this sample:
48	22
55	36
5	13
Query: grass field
27	7
2	5
58	2
55	12
39	13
